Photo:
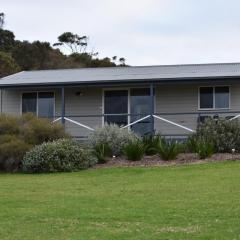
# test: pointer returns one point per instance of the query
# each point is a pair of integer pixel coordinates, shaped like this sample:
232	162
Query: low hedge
63	155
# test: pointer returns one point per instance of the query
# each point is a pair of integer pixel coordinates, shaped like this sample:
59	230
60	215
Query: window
116	102
39	103
214	97
45	104
29	103
221	97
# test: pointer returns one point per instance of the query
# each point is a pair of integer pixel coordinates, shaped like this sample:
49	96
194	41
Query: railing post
152	108
63	106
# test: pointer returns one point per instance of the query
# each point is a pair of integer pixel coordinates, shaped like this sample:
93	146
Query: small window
206	97
214	97
39	103
29	103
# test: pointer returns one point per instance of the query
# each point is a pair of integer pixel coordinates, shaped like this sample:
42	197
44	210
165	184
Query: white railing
79	124
56	120
155	116
130	124
234	117
137	121
173	123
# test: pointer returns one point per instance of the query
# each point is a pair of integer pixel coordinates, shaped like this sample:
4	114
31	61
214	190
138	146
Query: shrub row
20	134
210	137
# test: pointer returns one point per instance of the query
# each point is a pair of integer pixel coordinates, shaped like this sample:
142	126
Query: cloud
144	32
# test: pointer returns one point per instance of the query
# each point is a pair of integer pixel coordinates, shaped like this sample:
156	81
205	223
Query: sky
145	32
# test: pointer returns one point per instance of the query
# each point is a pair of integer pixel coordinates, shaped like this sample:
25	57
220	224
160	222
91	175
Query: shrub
102	151
38	130
12	150
223	134
168	150
192	144
63	155
205	149
134	150
19	134
114	136
151	143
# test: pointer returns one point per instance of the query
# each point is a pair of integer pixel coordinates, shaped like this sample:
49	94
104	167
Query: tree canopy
18	55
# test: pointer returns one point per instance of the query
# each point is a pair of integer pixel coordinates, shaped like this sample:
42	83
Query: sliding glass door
135	101
140	103
116	105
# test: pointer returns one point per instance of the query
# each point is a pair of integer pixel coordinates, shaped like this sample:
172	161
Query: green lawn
182	202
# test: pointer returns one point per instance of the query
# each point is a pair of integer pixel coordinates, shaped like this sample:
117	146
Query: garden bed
186	158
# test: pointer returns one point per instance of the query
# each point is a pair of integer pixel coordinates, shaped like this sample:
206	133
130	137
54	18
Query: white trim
214	96
44	91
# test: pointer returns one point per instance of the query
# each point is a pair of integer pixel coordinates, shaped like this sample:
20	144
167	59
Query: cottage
170	100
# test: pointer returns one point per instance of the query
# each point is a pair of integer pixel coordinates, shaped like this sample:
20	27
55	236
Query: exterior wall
11	102
168	100
89	102
180	99
176	99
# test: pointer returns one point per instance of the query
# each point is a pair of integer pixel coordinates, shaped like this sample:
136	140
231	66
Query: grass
183	202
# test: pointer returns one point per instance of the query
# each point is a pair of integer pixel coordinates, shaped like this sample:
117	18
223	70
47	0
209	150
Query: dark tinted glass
29	103
46	104
222	97
206	97
116	102
140	107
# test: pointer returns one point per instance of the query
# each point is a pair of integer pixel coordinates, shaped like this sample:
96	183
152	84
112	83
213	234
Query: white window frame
45	91
214	98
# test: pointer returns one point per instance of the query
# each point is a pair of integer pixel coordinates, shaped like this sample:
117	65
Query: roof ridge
143	66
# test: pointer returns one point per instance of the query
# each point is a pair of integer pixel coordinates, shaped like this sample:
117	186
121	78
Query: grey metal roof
122	74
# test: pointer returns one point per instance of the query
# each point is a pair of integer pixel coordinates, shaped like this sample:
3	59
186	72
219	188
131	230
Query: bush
134	150
192	144
151	143
20	134
12	150
205	149
114	136
38	130
63	155
223	134
102	151
168	150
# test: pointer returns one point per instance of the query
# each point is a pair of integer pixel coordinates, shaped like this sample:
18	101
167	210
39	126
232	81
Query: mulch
151	161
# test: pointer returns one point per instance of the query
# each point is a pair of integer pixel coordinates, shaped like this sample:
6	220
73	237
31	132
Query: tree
73	42
40	55
2	20
7	65
122	61
7	40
